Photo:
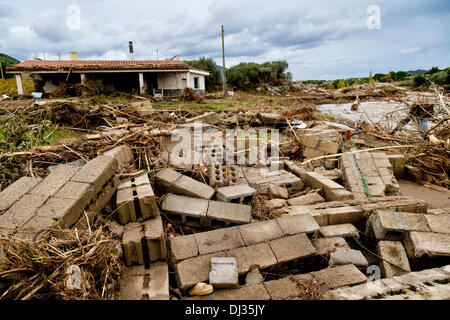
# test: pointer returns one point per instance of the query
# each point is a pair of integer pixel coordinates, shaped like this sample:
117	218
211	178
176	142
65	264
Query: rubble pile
311	224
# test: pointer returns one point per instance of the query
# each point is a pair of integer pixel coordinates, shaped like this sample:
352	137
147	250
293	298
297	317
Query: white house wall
170	80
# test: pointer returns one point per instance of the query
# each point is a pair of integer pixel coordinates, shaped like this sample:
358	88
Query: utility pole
1	68
157	54
59	55
224	80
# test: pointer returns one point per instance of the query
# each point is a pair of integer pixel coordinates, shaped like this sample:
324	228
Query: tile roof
65	65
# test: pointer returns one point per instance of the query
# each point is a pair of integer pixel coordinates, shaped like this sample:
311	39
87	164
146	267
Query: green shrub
441	77
419	81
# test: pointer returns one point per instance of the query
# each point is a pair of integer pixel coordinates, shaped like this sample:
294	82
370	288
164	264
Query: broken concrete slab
343	256
228	213
16	190
169	180
224	272
208	117
393	251
185	207
287	287
254	292
276	203
332	190
154	238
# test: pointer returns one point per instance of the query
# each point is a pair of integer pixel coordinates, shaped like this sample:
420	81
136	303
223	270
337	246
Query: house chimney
73	55
130	46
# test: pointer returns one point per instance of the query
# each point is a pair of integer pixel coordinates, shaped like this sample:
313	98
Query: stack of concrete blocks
144	242
347	276
205	213
428	284
170	181
422	234
354	211
267	244
136	200
317	144
34	206
374	168
332	191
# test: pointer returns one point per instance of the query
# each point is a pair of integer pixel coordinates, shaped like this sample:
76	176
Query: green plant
208	64
419	81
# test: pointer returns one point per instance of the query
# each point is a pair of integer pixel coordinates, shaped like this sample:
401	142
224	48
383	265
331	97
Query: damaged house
154	77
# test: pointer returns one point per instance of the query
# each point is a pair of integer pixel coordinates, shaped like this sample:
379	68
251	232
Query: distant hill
7	60
418	71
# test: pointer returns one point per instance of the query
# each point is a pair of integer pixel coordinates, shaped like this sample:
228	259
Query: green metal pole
1	68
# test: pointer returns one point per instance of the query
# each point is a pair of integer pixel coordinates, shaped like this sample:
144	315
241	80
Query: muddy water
434	198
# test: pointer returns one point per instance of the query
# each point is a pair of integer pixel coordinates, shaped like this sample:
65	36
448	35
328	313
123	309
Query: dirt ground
436	199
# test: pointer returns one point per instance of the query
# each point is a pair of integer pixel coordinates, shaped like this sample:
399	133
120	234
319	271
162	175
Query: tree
209	65
378	76
249	75
401	75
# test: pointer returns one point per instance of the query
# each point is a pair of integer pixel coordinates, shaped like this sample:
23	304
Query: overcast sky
320	39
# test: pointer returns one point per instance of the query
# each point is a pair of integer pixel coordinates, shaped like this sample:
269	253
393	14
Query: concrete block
97	172
191	271
260	232
218	240
340	276
132	244
343	256
139	283
183	247
259	254
393	251
216	175
241	193
432	244
339	230
20	213
341	215
123	156
438	223
165	179
276	203
306	199
66	212
155	241
224	272
125	205
292	248
105	195
278	192
328	147
77	191
286	287
192	188
54	181
189	209
312	153
146	200
390	225
325	246
228	212
299	223
16	190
